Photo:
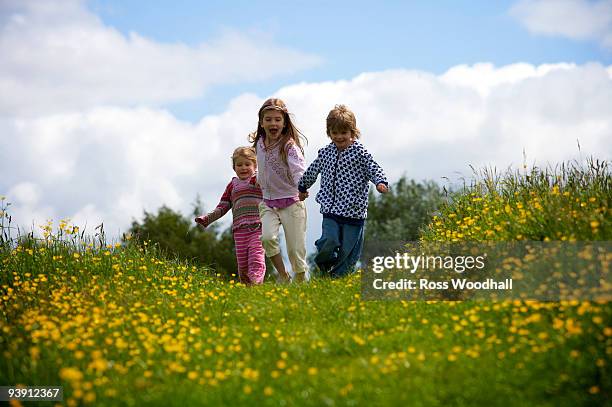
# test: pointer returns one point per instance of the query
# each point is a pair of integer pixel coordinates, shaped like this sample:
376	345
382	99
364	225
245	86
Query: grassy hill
123	325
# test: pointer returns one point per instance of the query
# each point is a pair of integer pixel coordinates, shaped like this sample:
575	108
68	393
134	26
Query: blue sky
113	107
350	37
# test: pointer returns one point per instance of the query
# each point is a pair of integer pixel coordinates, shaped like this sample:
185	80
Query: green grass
163	320
123	325
570	202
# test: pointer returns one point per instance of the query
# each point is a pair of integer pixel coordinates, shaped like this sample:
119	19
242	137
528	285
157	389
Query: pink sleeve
225	204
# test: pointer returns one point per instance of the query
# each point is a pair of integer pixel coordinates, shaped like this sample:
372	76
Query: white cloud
111	163
27	210
59	57
25	193
485	77
83	136
577	19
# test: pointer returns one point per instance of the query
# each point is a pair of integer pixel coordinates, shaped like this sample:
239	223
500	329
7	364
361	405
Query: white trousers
293	220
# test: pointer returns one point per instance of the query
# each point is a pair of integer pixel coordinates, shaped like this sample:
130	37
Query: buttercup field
126	325
346	203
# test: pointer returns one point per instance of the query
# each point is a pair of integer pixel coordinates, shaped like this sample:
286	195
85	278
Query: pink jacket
276	180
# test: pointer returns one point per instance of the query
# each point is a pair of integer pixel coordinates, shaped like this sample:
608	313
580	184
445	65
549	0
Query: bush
182	238
399	214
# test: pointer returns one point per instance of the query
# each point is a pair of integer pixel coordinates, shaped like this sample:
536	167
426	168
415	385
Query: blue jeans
339	247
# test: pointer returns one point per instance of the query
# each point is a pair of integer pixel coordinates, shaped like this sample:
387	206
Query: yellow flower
358	340
89	397
268	391
249	373
71	374
120	343
312	371
34	352
100	365
110	392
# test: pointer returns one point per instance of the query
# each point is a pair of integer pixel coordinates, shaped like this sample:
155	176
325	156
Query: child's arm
295	159
309	177
224	205
376	173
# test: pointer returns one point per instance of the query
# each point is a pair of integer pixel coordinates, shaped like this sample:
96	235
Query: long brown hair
289	133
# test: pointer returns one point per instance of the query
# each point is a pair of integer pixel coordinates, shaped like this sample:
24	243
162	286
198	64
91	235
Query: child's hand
303	195
382	188
202	220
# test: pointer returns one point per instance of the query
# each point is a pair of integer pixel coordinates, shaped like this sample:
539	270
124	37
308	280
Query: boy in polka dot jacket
346	169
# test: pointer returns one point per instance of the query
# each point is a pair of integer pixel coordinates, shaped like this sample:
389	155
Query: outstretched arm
309	177
225	204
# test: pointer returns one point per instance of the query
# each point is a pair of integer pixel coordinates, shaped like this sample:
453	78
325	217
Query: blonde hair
340	118
289	133
244	152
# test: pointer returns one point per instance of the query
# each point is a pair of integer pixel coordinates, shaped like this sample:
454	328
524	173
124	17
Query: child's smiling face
244	168
273	122
342	138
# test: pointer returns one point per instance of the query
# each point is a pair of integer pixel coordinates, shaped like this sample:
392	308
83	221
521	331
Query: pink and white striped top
243	198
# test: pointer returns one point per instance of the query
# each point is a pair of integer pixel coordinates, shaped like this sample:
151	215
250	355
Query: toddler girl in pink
243	196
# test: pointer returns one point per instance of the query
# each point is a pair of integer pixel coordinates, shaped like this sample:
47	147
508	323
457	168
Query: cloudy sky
109	108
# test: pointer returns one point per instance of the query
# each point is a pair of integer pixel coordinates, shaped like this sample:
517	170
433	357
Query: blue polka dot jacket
345	177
